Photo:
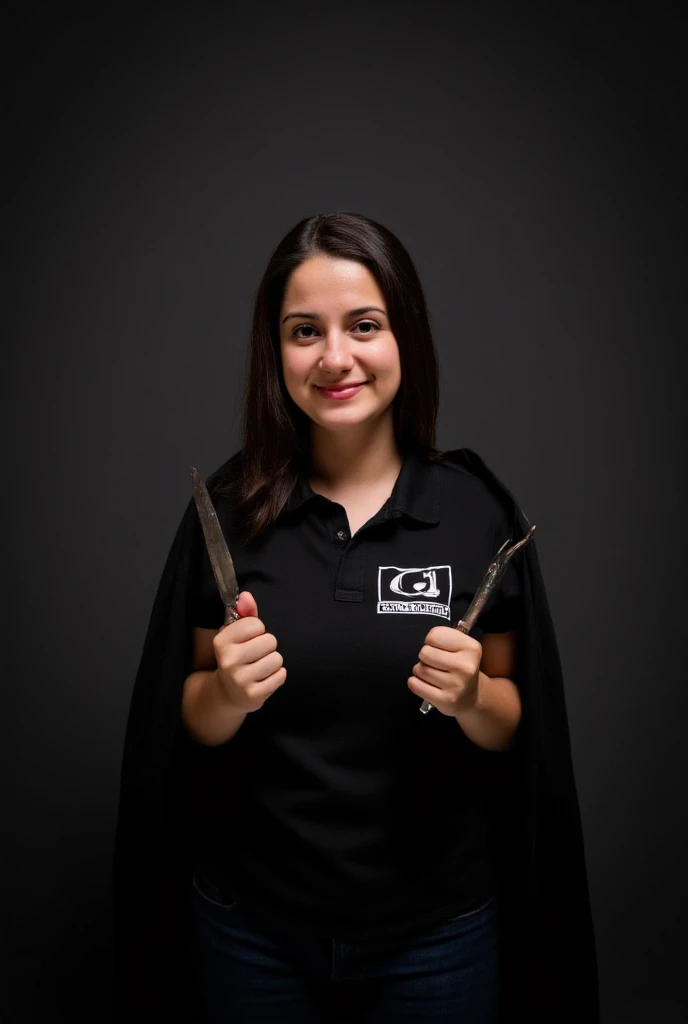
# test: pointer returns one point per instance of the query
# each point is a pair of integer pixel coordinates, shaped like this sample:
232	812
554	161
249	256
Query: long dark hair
275	432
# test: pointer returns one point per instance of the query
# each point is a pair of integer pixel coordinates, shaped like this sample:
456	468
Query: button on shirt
340	808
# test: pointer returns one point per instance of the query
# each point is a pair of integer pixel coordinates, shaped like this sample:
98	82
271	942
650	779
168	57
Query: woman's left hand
447	670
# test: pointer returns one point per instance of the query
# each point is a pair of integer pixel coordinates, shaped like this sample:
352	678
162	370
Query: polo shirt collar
416	492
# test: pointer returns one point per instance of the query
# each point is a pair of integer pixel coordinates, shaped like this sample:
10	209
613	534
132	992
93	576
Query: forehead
329	281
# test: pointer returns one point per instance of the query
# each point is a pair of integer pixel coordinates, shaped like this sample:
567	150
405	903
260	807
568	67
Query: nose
336	357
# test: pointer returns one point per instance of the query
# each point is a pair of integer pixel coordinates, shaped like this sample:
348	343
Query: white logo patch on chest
414	591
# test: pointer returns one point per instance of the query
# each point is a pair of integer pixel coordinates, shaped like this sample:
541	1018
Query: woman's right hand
249	666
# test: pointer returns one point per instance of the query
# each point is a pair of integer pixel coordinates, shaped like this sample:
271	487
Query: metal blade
491	581
218	552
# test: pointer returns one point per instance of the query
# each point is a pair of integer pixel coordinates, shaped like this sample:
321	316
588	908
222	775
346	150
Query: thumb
246	604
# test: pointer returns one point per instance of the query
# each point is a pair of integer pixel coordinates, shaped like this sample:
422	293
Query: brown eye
301	327
368	324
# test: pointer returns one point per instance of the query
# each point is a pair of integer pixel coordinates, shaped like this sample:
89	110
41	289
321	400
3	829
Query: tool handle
426	705
231	614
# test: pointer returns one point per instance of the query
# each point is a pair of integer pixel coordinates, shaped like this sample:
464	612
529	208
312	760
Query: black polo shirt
341	809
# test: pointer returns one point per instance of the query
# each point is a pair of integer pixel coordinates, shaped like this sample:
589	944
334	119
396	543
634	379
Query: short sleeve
502	612
205	608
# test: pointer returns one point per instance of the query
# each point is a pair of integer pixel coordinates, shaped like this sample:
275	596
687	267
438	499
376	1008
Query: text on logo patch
414	591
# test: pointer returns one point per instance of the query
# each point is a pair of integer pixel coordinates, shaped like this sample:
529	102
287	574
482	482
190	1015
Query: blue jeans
252	970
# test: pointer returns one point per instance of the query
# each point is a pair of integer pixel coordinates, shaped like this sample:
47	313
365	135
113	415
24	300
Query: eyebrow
352	312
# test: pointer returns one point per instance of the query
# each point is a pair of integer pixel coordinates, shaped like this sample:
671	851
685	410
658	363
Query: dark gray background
530	164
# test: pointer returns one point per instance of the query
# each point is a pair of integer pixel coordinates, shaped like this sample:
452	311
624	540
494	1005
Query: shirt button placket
349	573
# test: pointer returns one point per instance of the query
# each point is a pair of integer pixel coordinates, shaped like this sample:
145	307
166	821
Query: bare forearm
206	714
494	718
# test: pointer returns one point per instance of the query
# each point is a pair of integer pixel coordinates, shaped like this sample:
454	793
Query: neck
347	459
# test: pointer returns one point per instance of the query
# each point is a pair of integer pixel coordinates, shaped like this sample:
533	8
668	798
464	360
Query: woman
347	852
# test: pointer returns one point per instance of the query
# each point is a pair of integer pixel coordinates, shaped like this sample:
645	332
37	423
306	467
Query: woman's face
340	359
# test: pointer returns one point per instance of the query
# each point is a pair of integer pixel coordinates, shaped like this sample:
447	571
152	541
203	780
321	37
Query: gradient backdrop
530	163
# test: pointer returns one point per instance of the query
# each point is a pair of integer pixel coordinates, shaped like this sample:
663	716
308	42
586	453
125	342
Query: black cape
549	970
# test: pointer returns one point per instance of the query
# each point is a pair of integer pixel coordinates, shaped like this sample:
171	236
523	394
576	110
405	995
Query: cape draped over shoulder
549	966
